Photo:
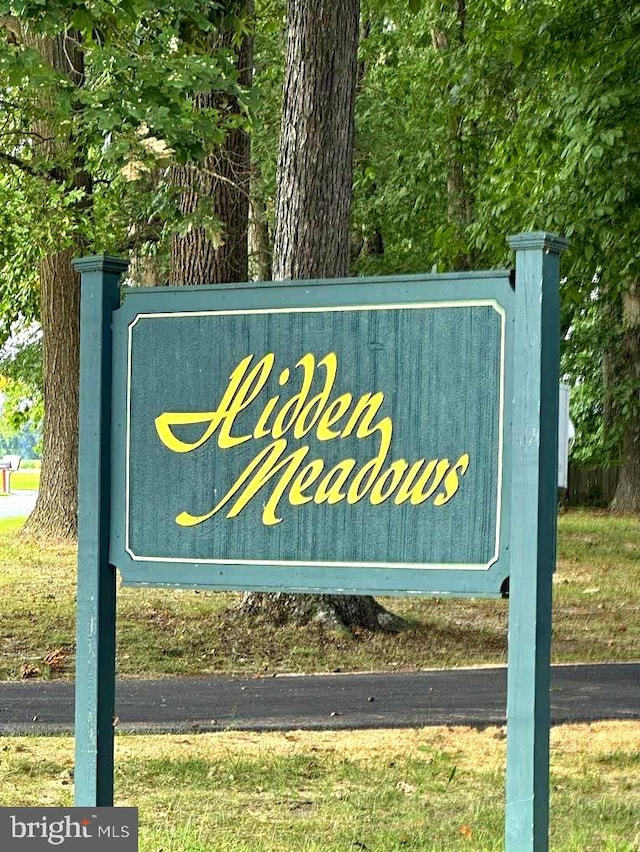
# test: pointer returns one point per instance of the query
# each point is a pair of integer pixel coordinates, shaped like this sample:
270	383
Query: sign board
385	435
319	437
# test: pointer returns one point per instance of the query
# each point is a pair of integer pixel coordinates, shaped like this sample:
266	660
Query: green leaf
517	55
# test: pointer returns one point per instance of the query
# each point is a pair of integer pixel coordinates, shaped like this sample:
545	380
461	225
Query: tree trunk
222	179
332	610
315	160
260	250
627	499
55	512
315	167
146	271
459	204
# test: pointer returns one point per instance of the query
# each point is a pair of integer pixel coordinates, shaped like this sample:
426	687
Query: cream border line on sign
472	303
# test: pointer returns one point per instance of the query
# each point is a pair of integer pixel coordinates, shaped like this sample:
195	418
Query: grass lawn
25	480
161	632
438	789
30	464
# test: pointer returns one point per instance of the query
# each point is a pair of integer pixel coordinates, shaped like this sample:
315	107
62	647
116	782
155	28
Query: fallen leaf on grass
55	659
405	788
27	670
465	831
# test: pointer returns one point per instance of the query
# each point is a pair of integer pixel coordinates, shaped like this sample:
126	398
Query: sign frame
457	290
533	442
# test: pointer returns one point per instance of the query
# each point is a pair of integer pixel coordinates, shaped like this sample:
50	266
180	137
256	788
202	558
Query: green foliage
537	104
593	349
480	120
22	410
122	125
581	127
474	120
18	257
268	60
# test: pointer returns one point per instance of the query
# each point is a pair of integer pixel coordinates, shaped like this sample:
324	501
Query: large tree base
346	611
627	499
54	517
51	521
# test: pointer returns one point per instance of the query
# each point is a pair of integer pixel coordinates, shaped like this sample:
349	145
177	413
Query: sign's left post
96	597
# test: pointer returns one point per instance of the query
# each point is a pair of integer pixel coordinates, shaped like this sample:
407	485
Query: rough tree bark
55	515
315	161
146	271
459	197
260	250
55	512
223	177
627	499
315	167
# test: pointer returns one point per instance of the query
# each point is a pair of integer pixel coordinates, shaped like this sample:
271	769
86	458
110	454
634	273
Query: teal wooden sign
324	437
387	436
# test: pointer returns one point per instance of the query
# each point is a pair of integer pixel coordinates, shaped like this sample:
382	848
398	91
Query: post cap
538	240
100	263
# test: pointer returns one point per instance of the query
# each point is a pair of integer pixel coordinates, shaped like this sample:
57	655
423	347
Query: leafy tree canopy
130	112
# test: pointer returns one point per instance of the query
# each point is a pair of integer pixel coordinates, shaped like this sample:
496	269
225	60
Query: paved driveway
579	693
17	505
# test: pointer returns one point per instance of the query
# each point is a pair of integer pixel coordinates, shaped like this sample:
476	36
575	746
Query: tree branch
20	164
27	168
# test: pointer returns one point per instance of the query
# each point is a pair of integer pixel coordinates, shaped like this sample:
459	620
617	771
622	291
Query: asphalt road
17	504
475	697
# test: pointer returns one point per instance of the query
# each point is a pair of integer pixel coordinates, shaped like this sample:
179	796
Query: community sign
361	436
323	436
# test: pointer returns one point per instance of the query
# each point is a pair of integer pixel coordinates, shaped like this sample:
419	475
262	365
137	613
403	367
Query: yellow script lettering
451	480
238	396
285	471
395	472
268	458
331	415
330	485
304	479
295	405
302	428
372	468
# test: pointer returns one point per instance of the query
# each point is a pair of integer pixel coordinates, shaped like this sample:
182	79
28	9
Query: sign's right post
533	538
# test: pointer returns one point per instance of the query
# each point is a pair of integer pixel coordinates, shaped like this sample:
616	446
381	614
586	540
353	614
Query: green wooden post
96	607
533	538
